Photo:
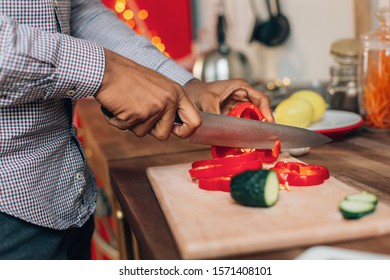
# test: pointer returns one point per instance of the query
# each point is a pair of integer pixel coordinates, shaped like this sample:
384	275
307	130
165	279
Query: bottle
344	85
374	69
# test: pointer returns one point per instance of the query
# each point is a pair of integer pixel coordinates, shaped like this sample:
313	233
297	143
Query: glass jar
374	69
344	85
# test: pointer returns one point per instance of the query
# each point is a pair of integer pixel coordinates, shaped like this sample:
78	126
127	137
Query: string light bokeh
135	18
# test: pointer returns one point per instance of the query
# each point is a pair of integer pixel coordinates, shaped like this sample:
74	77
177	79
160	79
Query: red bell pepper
271	155
215	184
319	169
215	174
249	111
300	174
221	152
289	165
229	159
224	170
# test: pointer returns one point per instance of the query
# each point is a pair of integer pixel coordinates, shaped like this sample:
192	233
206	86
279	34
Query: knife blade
230	131
222	130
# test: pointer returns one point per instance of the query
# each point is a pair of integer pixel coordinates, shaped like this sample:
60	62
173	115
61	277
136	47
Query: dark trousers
20	240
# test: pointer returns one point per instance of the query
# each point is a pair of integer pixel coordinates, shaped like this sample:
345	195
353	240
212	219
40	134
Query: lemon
317	101
295	112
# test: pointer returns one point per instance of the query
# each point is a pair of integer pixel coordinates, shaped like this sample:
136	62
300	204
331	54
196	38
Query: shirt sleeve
38	65
93	21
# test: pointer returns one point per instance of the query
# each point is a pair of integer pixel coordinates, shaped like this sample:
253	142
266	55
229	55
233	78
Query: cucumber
364	197
257	188
352	209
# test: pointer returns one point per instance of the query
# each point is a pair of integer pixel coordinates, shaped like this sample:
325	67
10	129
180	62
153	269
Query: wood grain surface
360	160
345	159
209	224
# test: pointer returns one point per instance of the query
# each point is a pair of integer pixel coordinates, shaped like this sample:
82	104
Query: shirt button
79	176
70	93
81	190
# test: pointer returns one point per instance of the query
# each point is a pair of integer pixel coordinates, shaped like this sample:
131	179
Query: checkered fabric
51	54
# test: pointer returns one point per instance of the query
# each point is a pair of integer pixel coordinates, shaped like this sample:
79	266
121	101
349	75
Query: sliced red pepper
215	184
289	165
271	155
229	159
220	151
283	169
224	170
249	111
318	169
304	179
300	174
205	170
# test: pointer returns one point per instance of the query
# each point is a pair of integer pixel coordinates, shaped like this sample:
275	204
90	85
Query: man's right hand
144	101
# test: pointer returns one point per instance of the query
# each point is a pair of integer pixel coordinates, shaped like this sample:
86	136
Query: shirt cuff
175	72
80	68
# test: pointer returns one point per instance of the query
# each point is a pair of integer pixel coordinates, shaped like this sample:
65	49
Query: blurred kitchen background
296	57
293	49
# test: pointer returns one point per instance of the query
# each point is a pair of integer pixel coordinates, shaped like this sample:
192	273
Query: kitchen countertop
361	160
120	159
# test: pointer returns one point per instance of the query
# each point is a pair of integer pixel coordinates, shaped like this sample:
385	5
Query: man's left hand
220	97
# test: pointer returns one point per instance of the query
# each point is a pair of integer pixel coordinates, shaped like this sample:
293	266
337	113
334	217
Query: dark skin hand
220	97
144	101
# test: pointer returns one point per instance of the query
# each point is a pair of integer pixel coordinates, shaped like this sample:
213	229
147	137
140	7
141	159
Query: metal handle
268	2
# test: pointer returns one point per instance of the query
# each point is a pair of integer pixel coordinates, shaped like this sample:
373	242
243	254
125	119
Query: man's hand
144	101
220	96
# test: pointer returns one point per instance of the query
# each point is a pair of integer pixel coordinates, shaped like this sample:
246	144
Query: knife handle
107	113
110	115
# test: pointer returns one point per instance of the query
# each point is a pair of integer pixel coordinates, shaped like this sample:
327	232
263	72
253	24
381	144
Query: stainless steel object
230	131
222	65
223	62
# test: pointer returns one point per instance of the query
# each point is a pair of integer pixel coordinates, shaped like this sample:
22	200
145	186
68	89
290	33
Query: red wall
170	20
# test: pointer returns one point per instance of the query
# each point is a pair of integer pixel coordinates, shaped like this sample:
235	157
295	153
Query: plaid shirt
51	54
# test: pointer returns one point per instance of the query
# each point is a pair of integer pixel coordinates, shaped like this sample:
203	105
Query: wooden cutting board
207	224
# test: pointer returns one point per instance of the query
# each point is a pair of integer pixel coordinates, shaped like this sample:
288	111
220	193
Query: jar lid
346	47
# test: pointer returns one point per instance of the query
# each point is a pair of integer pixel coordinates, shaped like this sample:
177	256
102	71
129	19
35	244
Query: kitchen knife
231	131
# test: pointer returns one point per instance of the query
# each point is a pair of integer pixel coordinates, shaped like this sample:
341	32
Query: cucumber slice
258	188
356	209
364	197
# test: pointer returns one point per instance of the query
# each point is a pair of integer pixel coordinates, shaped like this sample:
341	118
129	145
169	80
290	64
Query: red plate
336	124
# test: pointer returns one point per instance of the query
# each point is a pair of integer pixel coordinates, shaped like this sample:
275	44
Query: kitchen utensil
223	62
273	32
230	131
256	33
